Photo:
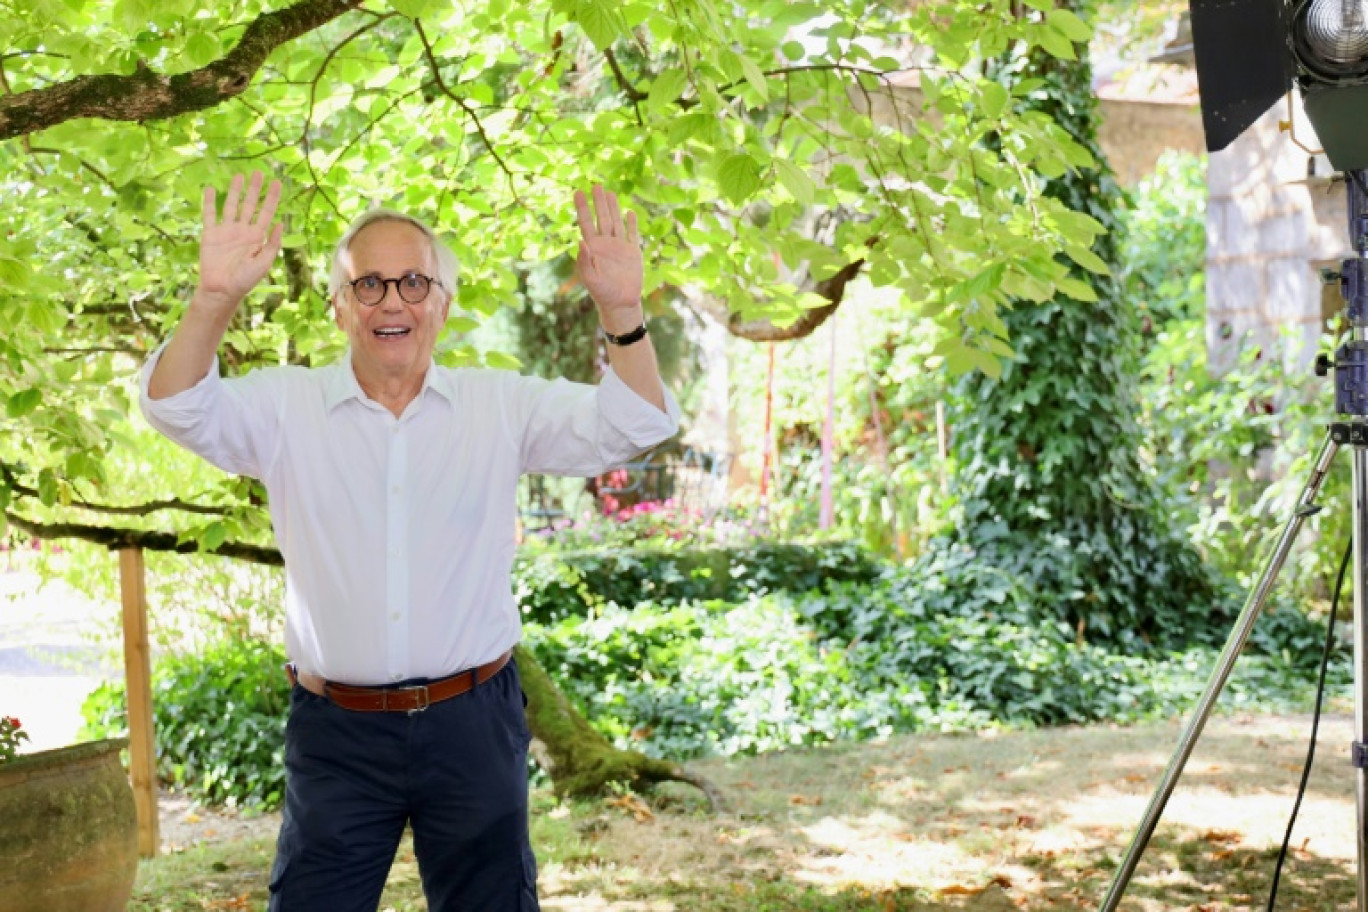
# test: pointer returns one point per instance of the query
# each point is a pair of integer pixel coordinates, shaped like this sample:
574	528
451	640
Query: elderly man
392	490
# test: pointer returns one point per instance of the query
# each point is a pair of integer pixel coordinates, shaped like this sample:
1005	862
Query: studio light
1251	52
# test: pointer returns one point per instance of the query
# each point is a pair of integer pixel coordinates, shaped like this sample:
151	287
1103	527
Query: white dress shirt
398	533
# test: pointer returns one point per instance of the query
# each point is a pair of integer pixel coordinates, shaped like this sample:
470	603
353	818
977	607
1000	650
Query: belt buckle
425	698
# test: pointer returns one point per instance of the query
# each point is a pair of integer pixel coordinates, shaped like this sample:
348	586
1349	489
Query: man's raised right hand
237	249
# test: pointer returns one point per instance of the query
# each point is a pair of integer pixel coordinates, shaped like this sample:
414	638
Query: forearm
190	353
636	364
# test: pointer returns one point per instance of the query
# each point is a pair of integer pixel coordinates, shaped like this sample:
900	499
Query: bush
220	718
856	660
555	585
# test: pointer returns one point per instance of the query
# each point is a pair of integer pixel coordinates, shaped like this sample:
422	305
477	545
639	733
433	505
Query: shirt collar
340	383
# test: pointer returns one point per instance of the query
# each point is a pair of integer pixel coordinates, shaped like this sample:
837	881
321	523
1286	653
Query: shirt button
395	616
394	490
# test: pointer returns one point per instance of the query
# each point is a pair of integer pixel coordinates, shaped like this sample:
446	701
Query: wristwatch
627	338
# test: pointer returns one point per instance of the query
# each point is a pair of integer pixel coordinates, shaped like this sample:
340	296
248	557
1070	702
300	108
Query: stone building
1274	219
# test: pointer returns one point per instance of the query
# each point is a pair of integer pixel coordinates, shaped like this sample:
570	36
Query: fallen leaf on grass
1222	836
634	806
812	800
961	890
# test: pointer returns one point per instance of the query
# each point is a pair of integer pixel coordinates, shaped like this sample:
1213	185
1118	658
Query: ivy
1050	485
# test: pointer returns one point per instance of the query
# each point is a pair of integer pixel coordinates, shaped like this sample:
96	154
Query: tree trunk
580	761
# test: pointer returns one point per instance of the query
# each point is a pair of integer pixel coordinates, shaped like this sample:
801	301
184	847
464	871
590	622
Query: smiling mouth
391	332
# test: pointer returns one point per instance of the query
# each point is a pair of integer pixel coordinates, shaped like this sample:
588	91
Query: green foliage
220	721
1164	243
557	585
12	735
1050	485
759	164
861	660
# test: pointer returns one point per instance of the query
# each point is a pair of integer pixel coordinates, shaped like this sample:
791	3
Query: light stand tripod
1351	428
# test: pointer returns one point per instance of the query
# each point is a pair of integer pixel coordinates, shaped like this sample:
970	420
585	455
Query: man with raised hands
392	485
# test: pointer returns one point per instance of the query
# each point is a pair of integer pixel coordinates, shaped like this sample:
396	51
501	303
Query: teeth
392	331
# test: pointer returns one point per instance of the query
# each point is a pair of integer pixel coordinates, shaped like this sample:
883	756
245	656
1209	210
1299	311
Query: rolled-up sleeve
231	424
566	428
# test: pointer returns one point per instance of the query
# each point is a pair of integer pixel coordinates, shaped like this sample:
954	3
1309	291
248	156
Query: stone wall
1133	134
1269	228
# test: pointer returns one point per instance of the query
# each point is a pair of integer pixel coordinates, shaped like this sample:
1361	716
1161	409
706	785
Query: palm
236	250
613	272
610	261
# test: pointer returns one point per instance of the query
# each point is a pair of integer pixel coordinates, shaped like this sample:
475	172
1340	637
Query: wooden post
142	744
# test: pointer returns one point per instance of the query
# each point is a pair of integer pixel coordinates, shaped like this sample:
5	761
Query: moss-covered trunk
580	761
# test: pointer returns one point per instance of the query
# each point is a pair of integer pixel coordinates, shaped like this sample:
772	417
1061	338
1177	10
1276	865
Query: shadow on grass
1189	873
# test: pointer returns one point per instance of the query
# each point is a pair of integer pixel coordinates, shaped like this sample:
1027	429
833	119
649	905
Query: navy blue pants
456	772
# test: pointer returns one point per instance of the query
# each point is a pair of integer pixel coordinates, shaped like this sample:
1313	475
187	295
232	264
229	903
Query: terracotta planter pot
68	831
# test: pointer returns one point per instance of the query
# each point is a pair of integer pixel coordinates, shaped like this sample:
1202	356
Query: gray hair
447	266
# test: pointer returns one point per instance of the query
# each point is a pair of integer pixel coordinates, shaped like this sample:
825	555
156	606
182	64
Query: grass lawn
1025	820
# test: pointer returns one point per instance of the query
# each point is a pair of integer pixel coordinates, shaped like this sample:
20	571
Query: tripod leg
1360	656
1244	624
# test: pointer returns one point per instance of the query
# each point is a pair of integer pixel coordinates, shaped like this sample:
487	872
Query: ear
337	310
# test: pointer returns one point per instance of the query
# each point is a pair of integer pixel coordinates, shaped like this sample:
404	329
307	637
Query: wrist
636	334
622	321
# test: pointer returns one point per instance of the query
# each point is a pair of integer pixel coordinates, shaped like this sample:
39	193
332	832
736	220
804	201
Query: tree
1048	454
771	149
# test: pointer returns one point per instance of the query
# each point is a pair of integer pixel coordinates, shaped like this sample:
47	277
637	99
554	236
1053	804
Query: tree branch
465	106
833	289
148	95
114	539
12	482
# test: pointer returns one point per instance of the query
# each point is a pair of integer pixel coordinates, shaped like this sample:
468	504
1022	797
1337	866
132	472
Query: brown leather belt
398	699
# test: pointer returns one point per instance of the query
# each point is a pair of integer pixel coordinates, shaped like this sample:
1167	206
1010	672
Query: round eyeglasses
412	287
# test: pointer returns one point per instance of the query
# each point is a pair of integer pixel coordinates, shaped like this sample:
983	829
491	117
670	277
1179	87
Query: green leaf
793	50
14	274
47	487
416	9
738	176
501	361
1069	25
796	181
1053	40
754	76
601	21
202	49
666	88
995	99
23	403
1076	289
1088	260
214	534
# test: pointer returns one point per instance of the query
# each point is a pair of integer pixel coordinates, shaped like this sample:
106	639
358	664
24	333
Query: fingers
240	205
605	205
268	206
605	219
614	214
583	215
230	202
